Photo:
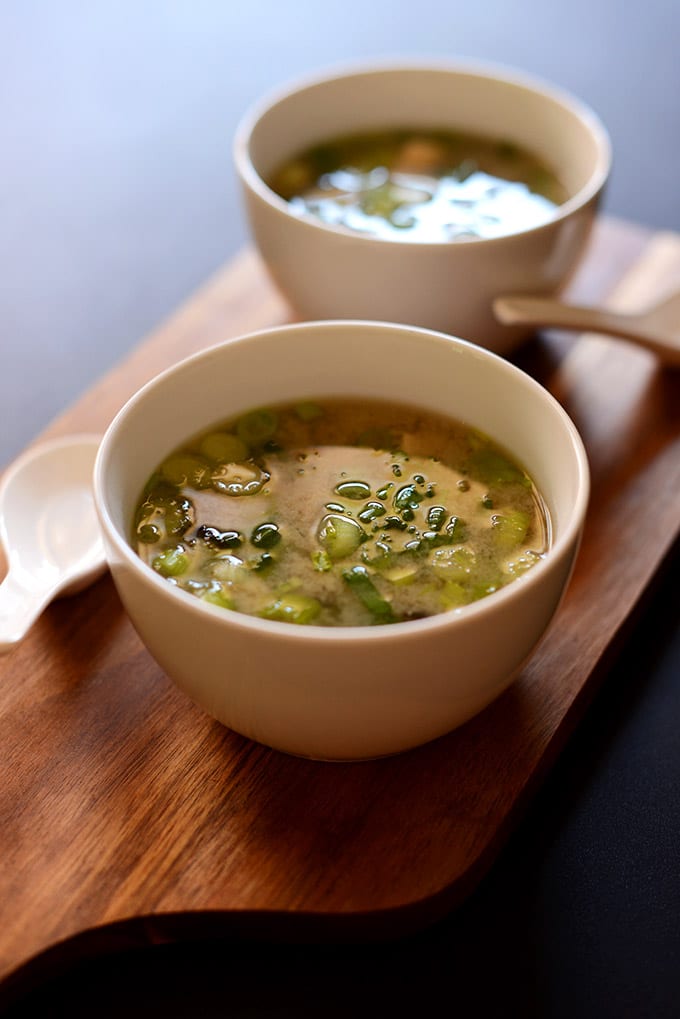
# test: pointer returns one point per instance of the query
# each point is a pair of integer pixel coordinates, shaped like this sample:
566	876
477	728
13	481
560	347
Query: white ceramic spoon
657	329
49	530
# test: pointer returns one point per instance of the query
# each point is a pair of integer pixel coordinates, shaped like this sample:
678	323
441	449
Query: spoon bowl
48	529
656	329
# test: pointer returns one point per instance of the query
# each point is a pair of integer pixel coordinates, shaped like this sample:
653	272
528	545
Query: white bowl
328	271
351	692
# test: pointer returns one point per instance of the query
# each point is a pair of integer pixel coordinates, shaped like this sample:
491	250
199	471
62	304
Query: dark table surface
117	198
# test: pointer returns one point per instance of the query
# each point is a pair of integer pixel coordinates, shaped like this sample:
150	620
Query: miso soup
419	185
341	513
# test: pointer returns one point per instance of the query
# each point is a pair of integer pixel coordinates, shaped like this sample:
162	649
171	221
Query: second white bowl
328	271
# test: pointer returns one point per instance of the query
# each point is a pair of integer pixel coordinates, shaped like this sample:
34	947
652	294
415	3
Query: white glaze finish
330	272
357	692
48	529
657	328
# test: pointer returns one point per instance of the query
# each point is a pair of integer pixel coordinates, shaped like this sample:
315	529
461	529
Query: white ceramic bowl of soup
331	271
355	692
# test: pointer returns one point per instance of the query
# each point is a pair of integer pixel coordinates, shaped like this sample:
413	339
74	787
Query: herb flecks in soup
341	513
421	186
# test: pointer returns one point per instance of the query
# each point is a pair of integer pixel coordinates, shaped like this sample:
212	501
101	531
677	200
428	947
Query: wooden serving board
127	815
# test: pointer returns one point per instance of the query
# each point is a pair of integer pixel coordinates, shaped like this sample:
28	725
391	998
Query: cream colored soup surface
341	513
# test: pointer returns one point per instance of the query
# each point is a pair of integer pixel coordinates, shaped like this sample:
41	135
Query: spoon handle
550	313
20	606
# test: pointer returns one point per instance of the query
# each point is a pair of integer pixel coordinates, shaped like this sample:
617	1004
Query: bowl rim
504	74
407	629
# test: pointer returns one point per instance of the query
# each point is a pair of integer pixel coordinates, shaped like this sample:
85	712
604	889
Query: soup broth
421	185
341	513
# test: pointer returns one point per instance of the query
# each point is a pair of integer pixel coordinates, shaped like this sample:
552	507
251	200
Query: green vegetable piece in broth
493	468
436	515
359	581
392	523
179	516
484	588
321	560
257	427
407	497
218	596
324	157
187	470
456	529
223	447
378	438
148	534
158	489
227	567
454	563
265	536
381	201
293	608
454	532
173	562
355	490
163	512
214	538
263	564
340	535
308	411
522	563
454	594
404	573
240	479
371	511
509	529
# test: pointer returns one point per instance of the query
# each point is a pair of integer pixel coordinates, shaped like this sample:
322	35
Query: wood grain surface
125	812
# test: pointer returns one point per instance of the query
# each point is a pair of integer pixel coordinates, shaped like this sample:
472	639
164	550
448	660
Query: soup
421	185
341	513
